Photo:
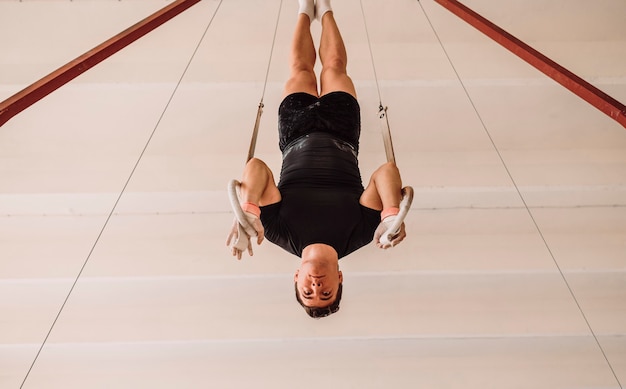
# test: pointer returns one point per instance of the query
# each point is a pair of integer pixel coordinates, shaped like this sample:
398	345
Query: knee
335	64
301	67
302	74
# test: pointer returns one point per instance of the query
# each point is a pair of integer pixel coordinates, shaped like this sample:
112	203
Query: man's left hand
383	228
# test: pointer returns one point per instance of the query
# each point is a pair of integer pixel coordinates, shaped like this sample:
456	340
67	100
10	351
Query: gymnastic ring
405	206
235	204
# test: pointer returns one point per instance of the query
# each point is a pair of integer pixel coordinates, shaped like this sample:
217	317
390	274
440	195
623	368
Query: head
319	312
318	281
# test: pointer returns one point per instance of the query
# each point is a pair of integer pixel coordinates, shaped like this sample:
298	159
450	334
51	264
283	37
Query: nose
316	282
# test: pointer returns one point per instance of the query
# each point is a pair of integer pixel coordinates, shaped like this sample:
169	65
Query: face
317	282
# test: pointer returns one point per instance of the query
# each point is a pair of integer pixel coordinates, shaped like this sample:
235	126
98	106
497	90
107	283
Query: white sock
321	7
307	7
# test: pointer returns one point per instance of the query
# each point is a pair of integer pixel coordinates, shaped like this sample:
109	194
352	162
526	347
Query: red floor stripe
35	92
569	80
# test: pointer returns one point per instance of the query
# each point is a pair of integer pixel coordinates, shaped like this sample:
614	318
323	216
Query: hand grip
240	215
405	206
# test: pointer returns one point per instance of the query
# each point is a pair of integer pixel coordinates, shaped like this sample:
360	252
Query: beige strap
384	124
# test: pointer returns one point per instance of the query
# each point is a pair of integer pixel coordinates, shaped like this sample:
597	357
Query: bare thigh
336	80
302	81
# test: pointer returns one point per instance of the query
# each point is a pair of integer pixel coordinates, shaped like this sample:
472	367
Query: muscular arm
258	188
384	192
257	184
384	189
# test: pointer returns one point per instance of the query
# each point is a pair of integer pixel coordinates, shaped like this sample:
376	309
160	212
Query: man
319	211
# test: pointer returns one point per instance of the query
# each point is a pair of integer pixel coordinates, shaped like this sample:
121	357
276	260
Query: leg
334	59
302	61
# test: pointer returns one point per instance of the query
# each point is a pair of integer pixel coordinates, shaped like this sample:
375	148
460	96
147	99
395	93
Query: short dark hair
316	312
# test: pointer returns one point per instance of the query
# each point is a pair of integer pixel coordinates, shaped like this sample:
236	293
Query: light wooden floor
113	209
